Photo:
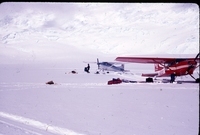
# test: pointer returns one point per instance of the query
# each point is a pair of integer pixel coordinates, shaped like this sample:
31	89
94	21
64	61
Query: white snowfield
41	43
84	104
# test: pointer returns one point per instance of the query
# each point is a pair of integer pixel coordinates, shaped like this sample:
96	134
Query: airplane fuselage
105	66
180	68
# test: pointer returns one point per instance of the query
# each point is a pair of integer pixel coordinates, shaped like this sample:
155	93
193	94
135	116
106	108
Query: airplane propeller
192	65
196	57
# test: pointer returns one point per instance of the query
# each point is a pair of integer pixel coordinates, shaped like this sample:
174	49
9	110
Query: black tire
198	80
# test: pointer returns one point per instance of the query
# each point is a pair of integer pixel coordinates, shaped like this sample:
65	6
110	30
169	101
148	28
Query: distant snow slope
109	28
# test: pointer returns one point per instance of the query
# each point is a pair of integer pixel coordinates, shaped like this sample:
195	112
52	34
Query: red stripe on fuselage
181	68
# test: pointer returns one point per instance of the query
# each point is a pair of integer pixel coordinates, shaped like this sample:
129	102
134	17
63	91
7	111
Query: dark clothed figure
173	75
87	69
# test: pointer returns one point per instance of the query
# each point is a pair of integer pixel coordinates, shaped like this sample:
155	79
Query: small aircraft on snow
110	66
166	66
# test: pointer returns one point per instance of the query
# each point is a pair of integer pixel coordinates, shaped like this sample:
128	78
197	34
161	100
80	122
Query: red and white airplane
167	66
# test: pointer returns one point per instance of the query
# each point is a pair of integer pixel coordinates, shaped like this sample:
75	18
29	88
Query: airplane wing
152	60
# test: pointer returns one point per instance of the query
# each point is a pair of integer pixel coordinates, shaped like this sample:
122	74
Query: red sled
114	81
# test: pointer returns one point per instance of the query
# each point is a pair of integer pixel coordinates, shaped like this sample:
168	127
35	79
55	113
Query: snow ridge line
38	124
23	129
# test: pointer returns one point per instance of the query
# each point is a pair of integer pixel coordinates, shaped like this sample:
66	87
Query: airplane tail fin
158	67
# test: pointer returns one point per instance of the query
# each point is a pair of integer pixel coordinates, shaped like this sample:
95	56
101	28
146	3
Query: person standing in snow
173	75
87	69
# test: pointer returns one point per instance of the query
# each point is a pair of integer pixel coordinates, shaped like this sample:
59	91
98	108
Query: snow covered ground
84	104
40	43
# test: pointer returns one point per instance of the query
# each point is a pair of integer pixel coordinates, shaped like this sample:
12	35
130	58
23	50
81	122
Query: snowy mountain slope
108	28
